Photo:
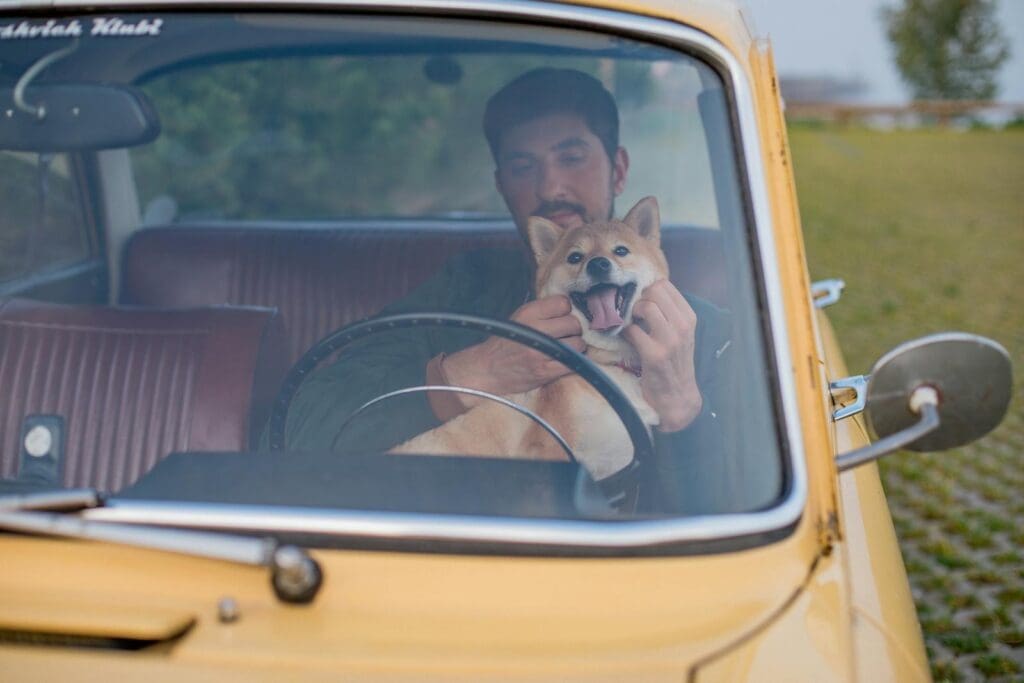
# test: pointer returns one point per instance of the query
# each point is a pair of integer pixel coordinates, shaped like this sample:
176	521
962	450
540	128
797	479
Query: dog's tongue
602	307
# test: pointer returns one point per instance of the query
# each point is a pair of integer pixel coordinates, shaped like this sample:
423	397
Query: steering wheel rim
636	429
521	409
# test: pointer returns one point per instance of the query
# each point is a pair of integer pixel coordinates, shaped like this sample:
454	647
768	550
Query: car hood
393	615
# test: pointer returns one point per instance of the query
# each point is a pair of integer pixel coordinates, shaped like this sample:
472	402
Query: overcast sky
845	39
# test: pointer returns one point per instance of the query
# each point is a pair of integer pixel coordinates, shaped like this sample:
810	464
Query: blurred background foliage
947	49
326	137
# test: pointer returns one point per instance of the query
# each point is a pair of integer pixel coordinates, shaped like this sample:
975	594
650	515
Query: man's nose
551	183
599	268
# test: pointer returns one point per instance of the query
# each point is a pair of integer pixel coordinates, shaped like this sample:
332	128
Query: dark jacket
491	282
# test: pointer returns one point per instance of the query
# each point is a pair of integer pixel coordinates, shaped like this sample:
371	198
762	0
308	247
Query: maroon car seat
129	386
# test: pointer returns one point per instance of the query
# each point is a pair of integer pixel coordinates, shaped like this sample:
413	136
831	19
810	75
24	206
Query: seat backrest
321	279
133	385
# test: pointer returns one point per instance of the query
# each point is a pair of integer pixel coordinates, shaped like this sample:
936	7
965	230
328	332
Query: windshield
192	202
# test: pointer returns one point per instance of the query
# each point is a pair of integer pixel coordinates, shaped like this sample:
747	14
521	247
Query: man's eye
519	168
574	257
572	159
620	251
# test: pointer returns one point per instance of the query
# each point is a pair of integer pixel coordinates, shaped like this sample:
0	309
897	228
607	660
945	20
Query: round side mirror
971	375
934	393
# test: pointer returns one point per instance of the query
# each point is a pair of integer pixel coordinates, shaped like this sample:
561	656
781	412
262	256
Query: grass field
927	229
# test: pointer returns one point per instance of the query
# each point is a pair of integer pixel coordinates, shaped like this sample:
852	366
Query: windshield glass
204	197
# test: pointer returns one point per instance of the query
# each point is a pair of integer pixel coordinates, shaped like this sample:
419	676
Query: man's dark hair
546	91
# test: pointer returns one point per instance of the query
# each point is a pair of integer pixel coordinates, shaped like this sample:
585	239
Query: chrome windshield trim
403	525
625	534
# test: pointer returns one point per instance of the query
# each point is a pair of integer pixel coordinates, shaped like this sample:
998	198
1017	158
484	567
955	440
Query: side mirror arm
923	402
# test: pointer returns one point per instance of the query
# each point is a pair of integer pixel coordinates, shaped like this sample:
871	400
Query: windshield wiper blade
61	500
295	576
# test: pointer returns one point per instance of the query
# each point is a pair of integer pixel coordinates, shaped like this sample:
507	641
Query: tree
947	49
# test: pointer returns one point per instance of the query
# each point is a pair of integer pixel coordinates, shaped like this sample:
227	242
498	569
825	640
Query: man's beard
548	209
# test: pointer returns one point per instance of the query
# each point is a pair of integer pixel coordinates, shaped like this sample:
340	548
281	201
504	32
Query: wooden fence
938	112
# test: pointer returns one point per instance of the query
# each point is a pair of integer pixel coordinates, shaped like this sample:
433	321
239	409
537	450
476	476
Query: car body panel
725	21
828	601
815	624
884	617
888	642
409	613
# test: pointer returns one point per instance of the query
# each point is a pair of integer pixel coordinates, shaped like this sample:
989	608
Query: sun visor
73	117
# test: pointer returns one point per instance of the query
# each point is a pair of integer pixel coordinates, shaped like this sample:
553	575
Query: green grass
966	642
994	665
927	229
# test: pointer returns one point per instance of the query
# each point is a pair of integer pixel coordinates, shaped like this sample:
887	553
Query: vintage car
235	237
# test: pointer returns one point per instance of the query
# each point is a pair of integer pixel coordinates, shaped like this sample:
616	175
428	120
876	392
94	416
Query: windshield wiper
295	576
61	500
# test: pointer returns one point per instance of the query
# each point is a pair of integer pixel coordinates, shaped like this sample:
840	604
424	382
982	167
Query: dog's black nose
599	267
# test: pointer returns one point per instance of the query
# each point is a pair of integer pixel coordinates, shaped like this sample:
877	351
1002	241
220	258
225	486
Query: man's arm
688	379
664	334
504	367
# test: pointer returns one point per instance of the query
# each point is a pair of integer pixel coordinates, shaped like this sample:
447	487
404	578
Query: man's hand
662	333
505	367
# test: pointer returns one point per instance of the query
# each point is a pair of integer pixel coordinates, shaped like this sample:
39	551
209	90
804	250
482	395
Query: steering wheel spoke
472	392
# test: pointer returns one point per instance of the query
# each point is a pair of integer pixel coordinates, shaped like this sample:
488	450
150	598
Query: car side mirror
933	393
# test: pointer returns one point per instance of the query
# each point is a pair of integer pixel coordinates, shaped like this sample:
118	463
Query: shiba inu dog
603	268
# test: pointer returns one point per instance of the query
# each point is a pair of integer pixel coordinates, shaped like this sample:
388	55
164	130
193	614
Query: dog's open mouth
604	305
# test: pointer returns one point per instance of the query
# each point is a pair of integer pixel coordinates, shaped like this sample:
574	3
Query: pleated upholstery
318	279
321	279
133	385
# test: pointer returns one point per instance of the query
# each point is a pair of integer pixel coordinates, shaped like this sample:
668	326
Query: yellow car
247	249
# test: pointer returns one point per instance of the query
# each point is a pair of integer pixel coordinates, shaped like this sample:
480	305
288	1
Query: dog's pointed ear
543	236
645	219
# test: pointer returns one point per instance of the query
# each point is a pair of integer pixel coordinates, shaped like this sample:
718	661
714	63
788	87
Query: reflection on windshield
309	176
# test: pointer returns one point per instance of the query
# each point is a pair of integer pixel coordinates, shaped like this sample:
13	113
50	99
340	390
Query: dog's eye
574	257
620	251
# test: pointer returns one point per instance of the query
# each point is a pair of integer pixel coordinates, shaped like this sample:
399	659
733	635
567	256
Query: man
554	137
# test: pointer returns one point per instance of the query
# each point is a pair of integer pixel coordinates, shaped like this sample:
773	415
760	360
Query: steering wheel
622	488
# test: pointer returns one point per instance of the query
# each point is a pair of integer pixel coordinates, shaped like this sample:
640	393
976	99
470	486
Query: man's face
555	167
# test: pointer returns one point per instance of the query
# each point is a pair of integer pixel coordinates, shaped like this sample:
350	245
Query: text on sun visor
100	27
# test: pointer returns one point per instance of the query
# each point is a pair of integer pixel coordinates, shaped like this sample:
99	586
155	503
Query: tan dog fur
569	404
